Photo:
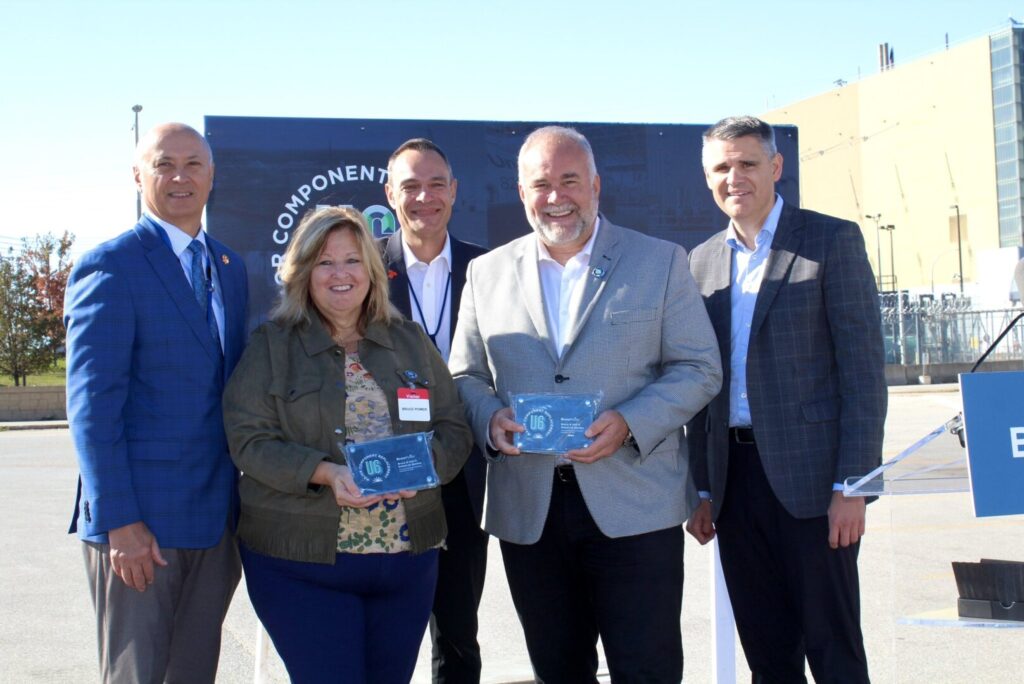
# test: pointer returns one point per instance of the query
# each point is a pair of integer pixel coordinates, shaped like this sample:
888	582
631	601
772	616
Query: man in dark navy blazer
792	299
156	322
427	270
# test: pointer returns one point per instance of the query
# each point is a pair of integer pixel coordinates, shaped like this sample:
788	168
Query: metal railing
922	330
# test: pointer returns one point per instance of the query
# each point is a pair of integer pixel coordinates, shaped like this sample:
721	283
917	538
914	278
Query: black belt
741	435
565	474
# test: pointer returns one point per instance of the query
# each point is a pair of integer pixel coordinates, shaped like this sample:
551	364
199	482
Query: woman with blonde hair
343	582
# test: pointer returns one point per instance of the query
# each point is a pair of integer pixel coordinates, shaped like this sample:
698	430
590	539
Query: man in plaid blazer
156	323
792	299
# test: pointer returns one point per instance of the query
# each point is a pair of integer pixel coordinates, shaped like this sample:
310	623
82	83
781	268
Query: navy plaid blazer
815	363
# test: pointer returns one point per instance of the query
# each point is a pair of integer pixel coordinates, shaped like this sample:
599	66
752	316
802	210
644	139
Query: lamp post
138	195
878	241
900	352
892	254
959	248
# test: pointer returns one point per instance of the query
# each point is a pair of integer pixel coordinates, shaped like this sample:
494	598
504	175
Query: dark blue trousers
359	620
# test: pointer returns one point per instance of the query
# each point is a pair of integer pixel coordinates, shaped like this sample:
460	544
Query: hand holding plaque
555	423
393	464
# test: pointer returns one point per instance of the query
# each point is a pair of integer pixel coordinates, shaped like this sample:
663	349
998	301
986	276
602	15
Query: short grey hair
561	133
733	127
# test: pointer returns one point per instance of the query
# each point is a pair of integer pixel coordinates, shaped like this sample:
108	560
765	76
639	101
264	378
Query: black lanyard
444	306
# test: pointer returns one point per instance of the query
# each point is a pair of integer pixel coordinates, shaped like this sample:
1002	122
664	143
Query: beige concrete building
915	147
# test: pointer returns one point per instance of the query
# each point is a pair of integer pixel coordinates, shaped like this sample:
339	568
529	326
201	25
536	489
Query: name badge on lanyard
414	404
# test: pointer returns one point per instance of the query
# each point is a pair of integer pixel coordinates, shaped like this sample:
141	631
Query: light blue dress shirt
180	241
748	266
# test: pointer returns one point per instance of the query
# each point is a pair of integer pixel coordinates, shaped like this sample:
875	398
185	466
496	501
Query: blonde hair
295	304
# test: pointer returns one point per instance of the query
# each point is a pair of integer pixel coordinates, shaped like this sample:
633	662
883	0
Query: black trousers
460	584
793	597
576	583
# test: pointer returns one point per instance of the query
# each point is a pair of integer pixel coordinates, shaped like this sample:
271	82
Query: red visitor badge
414	404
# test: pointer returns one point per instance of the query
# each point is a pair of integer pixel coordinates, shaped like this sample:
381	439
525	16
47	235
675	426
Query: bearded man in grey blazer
591	539
792	298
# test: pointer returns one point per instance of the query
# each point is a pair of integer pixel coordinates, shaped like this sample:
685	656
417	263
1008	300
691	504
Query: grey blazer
641	337
815	363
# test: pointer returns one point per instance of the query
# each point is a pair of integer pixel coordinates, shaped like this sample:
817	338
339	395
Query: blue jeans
359	620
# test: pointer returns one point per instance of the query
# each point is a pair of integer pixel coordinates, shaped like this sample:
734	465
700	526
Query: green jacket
284	410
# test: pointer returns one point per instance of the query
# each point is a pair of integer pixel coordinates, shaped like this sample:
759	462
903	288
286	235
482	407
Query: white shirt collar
412	260
180	240
544	255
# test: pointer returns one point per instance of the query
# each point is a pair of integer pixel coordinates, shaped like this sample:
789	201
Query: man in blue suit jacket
427	271
792	299
156	322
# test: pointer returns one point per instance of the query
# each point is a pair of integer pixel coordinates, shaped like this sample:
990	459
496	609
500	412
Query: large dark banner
270	172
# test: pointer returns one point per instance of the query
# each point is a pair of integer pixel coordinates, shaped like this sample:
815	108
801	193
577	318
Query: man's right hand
500	431
133	551
700	524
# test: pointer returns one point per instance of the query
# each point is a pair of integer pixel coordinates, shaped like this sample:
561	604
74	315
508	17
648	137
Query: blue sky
71	71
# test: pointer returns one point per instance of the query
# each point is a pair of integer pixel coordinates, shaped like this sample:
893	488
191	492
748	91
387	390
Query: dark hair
419	145
733	127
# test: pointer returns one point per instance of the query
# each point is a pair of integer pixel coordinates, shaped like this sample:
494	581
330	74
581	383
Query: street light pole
959	248
892	254
138	195
878	241
900	351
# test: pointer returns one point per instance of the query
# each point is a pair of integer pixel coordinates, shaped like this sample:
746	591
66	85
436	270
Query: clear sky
70	71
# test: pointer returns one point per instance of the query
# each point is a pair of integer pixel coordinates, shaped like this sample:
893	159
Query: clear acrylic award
393	464
555	423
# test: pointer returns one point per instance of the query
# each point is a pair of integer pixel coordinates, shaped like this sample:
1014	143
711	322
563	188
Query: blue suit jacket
144	390
475	470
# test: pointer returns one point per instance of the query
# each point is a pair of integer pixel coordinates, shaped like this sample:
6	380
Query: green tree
32	286
23	347
48	260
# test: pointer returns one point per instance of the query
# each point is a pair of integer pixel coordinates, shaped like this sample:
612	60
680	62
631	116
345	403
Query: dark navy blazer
475	470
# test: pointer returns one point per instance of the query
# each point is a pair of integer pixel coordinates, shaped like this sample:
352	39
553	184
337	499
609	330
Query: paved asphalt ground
47	628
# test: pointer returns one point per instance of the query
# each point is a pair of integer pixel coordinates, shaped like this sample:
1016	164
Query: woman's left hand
339	479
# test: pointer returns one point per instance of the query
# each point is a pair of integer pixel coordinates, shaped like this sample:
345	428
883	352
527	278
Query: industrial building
928	157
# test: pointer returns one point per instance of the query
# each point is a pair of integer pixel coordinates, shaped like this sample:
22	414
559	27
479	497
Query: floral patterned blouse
380	528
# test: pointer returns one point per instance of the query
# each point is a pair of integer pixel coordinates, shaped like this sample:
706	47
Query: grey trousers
170	632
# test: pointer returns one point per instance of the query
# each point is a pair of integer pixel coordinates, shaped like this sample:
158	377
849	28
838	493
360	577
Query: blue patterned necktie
201	289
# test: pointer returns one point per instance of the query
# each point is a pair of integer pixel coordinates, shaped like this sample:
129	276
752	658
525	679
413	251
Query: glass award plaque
384	466
554	423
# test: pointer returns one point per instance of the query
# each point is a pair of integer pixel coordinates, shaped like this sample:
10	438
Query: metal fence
923	330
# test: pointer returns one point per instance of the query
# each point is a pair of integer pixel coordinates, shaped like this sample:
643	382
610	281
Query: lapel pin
598	272
224	259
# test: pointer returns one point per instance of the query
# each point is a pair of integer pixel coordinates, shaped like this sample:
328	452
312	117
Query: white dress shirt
180	240
427	286
563	288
